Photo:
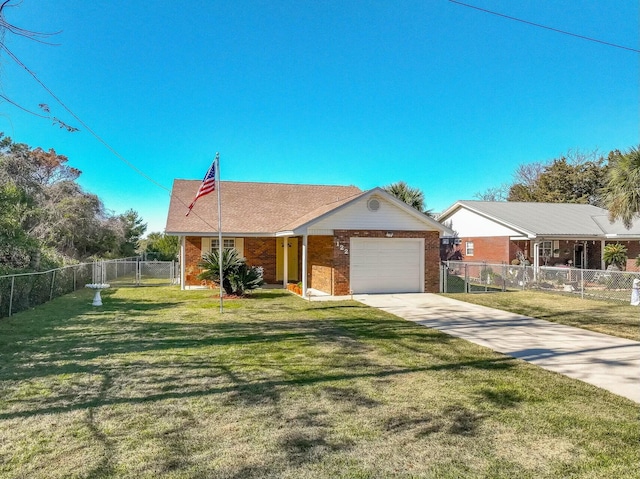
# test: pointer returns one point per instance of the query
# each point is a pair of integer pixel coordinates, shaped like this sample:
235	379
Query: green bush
237	277
615	254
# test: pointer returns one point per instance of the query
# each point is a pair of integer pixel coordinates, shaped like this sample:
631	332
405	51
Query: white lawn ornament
97	299
635	293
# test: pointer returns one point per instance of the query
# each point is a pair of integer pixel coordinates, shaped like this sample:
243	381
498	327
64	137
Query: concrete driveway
605	361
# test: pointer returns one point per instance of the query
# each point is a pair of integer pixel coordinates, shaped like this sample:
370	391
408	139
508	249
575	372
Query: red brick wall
341	260
193	255
633	251
262	252
492	249
257	251
320	263
341	264
594	255
327	265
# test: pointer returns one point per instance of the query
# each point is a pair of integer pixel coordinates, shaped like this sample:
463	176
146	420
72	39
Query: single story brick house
546	233
334	239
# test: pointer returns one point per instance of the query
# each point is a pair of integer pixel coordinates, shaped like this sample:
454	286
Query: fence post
484	268
445	279
13	282
581	283
504	274
75	283
53	279
466	278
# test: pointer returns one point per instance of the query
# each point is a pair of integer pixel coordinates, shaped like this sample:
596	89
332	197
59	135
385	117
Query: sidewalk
605	361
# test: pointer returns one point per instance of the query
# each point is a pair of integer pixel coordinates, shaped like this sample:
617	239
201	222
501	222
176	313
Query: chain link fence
19	292
23	291
459	276
134	272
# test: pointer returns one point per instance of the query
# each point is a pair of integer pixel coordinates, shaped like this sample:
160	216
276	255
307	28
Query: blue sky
447	98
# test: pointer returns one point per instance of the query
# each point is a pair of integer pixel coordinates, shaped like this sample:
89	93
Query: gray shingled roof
549	219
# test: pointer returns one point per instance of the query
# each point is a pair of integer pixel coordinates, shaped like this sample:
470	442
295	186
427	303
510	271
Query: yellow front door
292	252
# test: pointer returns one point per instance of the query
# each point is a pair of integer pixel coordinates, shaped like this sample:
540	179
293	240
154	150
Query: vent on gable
373	204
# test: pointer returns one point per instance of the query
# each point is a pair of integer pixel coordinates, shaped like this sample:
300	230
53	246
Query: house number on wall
342	248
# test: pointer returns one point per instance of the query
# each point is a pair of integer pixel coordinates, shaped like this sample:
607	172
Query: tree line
47	219
611	182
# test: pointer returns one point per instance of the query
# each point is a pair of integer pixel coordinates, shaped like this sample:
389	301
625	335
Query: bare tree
499	193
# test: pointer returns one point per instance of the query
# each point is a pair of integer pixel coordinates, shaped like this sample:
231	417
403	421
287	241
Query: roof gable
391	214
546	219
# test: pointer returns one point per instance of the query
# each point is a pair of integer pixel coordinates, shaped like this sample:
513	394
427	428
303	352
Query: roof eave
213	234
461	204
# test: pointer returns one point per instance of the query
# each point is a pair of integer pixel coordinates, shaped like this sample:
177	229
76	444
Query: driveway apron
605	361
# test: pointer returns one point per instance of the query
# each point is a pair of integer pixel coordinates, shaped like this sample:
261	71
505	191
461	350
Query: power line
95	135
564	32
79	120
23	108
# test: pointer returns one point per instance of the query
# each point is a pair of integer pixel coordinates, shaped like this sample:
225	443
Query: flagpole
219	226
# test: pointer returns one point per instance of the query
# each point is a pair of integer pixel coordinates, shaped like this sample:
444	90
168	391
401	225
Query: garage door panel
387	265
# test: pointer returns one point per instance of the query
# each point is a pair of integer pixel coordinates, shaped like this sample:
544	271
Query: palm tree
615	254
622	190
411	196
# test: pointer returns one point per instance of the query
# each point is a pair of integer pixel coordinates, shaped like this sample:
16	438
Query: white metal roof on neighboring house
548	219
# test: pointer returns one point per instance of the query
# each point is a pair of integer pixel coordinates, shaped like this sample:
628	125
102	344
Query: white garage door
387	265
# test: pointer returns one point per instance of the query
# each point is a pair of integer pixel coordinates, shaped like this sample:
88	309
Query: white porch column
305	239
536	259
285	259
602	263
183	260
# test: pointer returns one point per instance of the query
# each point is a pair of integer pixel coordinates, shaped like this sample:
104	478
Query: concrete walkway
605	361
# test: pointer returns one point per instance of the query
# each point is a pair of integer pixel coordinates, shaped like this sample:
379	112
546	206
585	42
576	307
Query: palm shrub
615	254
246	279
237	277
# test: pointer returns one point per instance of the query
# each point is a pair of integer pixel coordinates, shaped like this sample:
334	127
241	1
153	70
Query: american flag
208	185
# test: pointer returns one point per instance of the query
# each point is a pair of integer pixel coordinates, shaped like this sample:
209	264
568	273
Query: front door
578	256
292	251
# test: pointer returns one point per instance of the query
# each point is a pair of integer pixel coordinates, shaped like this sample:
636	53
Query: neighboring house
545	233
338	239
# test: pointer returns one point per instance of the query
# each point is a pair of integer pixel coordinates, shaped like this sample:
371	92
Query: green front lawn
609	317
156	383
